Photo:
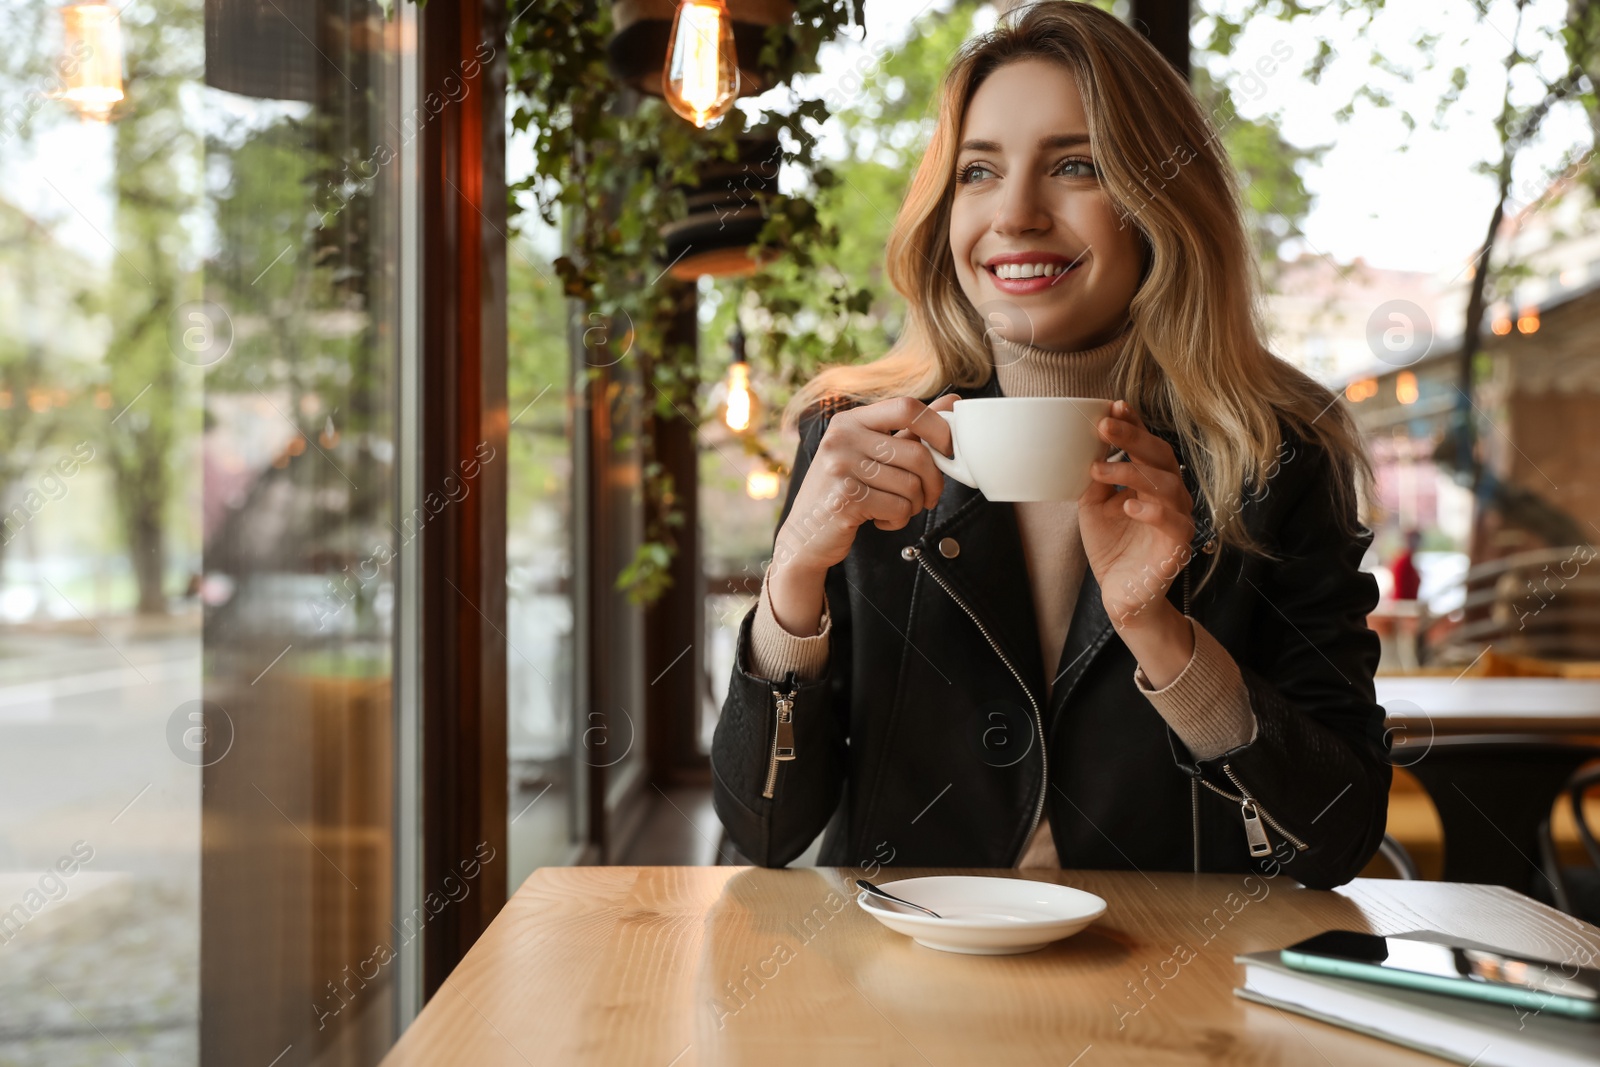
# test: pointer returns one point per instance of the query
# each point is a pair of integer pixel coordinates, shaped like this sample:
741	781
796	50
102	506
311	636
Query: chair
1537	603
1576	889
1398	858
1494	793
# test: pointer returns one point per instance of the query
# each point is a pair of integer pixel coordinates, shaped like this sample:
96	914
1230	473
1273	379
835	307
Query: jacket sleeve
772	831
1318	765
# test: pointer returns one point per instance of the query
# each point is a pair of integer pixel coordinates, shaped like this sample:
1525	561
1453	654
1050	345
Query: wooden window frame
463	411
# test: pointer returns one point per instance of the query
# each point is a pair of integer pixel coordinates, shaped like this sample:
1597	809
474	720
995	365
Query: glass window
545	798
199	436
735	488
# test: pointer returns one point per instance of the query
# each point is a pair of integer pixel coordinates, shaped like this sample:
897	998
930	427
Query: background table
1494	754
1421	707
671	966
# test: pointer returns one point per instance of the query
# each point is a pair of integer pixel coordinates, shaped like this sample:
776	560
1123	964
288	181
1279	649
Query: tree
43	369
41	375
1546	69
152	274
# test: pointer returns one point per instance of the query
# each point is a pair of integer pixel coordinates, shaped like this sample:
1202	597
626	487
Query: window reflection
197	474
301	532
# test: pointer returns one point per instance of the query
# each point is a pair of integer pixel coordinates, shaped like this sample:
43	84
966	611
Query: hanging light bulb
94	67
738	409
701	77
738	414
761	484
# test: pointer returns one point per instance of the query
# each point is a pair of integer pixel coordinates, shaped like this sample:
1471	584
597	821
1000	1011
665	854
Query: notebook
1466	1031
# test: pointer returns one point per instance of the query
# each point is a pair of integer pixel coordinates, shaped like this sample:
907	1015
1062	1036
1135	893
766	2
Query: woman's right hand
869	467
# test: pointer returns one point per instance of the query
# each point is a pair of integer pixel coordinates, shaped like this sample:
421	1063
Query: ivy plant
608	164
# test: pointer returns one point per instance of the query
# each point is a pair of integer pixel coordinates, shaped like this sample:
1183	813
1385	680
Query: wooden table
1421	707
672	966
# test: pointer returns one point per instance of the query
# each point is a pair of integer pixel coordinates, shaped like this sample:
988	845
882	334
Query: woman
1173	672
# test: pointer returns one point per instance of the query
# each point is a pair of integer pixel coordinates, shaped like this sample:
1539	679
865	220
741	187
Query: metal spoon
875	891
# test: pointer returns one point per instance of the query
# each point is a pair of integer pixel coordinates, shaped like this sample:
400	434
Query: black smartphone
1454	967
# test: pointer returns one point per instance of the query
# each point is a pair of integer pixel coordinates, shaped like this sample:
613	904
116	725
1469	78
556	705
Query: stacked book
1456	1028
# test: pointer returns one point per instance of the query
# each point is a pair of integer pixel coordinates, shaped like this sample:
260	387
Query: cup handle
954	465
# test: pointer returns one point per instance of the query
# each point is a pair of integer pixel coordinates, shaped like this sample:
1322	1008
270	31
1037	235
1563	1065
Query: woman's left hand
1137	537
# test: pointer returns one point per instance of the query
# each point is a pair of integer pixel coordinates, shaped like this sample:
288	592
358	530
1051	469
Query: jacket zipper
1254	815
1038	717
1194	817
1250	808
782	737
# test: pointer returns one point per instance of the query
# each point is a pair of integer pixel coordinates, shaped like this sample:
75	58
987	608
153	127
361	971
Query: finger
1098	493
916	458
1169	522
899	413
919	462
1123	409
1148	482
1147	456
905	450
887	511
890	477
1129	472
930	427
1139	443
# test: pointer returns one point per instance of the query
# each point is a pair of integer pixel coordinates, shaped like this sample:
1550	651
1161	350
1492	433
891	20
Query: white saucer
985	916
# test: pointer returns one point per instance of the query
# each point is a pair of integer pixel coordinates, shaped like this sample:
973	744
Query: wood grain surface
671	966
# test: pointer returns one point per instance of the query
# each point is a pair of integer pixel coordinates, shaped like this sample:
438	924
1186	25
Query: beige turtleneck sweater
1206	705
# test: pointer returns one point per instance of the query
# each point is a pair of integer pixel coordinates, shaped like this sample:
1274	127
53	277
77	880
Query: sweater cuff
774	651
1207	704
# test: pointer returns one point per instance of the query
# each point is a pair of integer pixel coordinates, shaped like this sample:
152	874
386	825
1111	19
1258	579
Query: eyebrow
1058	140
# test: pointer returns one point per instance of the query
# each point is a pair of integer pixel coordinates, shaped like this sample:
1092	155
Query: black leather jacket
921	744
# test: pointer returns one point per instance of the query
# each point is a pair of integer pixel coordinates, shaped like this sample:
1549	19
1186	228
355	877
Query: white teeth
1028	270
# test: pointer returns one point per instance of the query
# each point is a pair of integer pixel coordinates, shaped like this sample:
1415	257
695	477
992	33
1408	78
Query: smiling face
1030	225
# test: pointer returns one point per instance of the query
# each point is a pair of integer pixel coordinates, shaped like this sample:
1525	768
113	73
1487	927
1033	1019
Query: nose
1021	208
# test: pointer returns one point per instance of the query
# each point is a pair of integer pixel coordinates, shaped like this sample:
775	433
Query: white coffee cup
1023	447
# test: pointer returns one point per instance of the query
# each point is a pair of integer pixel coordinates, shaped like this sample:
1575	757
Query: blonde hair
1192	363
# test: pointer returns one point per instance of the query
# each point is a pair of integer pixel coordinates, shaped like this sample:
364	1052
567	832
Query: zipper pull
782	738
1254	832
784	750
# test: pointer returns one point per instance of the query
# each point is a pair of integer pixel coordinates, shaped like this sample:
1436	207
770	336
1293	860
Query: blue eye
1075	167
